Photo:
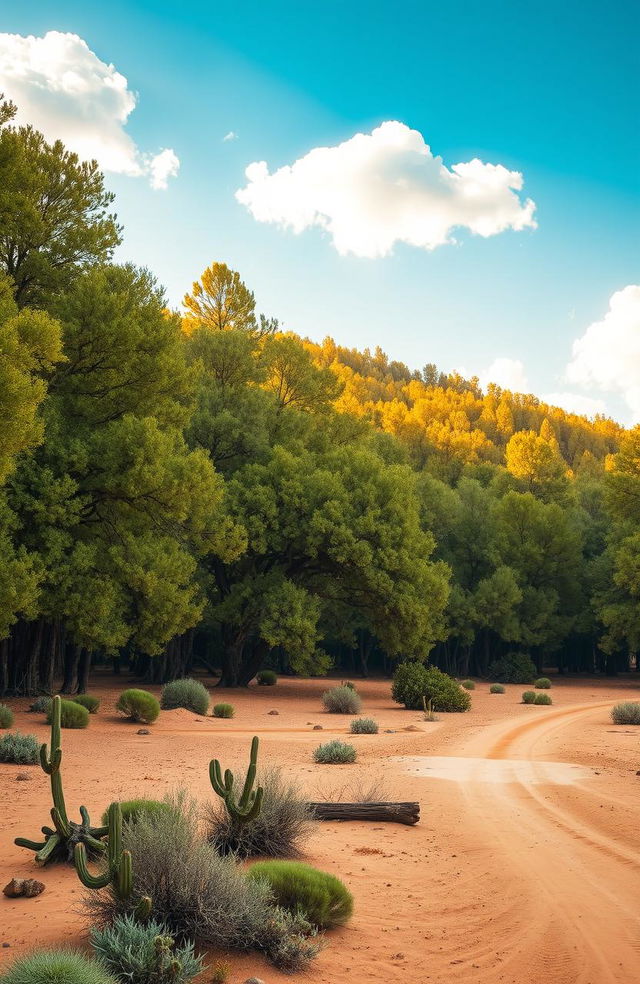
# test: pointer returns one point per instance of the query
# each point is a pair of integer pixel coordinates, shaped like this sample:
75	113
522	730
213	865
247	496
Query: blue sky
548	90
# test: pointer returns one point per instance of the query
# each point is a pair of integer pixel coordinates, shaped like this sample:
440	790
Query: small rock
23	777
254	980
143	731
318	727
5	946
23	886
389	731
412	727
274	712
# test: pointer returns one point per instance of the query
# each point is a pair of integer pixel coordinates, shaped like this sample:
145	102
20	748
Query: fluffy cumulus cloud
385	187
506	373
64	90
607	356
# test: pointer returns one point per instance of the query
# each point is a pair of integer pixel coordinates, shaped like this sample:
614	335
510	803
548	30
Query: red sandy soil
514	875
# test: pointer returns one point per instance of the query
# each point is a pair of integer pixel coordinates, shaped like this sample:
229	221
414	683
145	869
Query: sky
458	184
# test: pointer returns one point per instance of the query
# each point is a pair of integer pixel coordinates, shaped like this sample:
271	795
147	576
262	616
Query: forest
199	487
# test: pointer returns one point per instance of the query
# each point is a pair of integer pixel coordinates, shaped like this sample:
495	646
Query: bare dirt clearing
524	866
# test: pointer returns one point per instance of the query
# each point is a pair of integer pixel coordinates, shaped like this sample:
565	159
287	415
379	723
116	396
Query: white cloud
231	135
384	187
506	373
64	90
607	356
586	406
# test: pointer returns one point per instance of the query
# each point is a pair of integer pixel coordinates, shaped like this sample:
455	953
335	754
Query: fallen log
407	813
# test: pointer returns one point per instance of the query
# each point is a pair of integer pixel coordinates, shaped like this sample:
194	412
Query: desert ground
522	870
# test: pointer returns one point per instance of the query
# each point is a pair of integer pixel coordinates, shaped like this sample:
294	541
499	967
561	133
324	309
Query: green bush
282	825
468	685
6	716
543	699
89	701
334	753
512	668
414	681
342	700
529	697
145	953
41	704
223	711
19	749
187	693
496	688
628	712
543	683
267	678
57	967
364	726
139	705
321	898
132	810
72	715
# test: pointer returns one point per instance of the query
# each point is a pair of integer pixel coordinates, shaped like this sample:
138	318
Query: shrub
187	693
334	753
529	697
496	688
132	810
628	712
139	705
414	681
512	668
6	716
468	685
543	683
196	893
349	684
220	972
41	704
87	700
543	699
267	678
19	749
57	967
321	898
144	953
72	715
223	711
364	726
341	700
283	823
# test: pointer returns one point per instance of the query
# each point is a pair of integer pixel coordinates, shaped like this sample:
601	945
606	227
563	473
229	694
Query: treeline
204	489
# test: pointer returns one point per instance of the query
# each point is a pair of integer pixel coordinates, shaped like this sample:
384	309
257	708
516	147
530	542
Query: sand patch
458	769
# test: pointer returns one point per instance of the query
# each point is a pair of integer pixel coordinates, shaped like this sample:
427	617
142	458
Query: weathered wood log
407	813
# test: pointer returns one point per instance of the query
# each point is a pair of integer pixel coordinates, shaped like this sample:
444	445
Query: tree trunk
71	660
406	813
83	671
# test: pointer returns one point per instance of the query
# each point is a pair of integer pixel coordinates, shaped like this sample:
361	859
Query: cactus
250	802
118	871
60	840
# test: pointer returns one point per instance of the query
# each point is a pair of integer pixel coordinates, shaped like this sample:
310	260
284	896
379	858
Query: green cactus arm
50	763
48	850
85	876
86	819
100	831
63	829
215	777
48	831
115	837
57	795
124	879
250	812
93	843
245	798
143	909
31	845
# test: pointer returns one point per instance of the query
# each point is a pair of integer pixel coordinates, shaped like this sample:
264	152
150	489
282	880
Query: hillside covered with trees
200	486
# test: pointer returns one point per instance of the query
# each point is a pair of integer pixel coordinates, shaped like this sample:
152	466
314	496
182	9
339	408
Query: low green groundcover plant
72	715
543	683
334	753
413	682
543	699
6	716
529	697
342	700
187	693
19	749
627	712
223	710
41	704
267	678
132	810
321	898
496	688
145	953
468	684
87	700
364	726
57	967
512	668
139	705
